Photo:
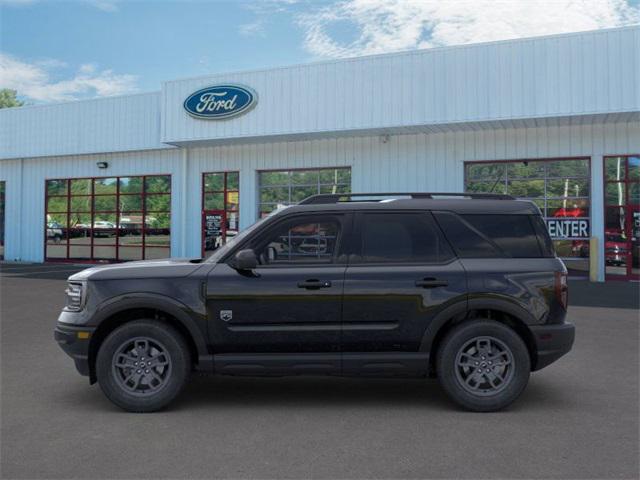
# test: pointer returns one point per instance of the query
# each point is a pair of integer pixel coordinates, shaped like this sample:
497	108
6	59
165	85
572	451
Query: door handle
431	283
314	284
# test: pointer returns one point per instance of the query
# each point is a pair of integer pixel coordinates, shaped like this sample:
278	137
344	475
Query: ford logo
220	101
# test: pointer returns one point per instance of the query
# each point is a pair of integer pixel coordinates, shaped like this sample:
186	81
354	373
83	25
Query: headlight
75	297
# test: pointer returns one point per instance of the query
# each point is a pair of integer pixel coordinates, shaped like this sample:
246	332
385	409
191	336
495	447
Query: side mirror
245	260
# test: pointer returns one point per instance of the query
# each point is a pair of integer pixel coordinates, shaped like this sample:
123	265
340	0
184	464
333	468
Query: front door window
622	217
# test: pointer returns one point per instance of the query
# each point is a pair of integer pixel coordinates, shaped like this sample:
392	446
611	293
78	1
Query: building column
248	197
597	211
184	204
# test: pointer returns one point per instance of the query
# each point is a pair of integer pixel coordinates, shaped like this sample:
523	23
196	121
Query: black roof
455	202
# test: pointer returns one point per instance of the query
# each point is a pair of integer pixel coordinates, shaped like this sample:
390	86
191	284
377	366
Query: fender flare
182	313
456	309
494	302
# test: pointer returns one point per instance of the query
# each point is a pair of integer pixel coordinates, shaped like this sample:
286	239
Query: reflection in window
108	219
220	202
305	242
560	188
280	188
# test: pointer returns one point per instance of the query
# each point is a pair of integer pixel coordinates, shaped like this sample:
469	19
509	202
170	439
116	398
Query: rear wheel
483	365
143	365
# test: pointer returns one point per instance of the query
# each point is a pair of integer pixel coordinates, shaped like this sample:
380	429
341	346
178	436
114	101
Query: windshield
231	242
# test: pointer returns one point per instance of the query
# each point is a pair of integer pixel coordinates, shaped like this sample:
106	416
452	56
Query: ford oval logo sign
220	101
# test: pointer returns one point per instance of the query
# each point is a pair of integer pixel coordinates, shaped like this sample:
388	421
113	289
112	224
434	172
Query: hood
163	268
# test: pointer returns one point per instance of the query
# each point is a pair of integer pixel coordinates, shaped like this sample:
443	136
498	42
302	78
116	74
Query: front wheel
143	365
483	365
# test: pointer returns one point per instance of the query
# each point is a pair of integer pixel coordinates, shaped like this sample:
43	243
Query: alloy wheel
141	366
484	366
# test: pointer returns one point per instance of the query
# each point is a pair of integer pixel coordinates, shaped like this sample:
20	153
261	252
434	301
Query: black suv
465	287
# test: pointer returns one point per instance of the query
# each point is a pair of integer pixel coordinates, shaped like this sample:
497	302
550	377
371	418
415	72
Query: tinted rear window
465	240
514	234
482	236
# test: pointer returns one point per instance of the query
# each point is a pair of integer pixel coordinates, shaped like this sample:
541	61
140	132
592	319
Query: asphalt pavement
578	418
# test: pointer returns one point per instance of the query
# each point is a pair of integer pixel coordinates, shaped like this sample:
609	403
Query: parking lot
578	418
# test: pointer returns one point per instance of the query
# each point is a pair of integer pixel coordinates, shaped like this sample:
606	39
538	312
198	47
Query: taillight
562	289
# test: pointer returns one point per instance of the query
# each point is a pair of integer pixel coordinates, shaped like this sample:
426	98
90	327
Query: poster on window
212	231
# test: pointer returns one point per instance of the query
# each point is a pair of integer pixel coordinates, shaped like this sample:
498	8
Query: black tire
161	384
463	353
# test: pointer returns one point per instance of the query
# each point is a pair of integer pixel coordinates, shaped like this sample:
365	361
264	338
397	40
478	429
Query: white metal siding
558	76
416	162
25	196
112	124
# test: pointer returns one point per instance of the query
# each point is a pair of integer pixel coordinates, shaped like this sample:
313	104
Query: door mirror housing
245	260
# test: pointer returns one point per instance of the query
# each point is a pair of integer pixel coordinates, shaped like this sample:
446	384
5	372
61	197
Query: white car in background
102	228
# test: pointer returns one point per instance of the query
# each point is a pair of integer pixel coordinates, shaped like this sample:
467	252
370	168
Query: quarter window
286	187
513	234
402	238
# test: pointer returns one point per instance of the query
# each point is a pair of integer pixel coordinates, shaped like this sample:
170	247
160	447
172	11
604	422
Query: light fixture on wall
102	164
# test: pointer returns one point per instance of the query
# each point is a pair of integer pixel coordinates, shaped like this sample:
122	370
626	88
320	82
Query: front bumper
552	342
75	343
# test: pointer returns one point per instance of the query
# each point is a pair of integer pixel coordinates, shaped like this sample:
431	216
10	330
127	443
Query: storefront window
622	217
108	219
560	188
220	205
2	187
286	187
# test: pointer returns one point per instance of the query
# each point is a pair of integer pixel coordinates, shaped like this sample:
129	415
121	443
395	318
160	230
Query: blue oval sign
220	101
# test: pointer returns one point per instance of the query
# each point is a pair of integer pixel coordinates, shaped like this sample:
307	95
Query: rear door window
394	237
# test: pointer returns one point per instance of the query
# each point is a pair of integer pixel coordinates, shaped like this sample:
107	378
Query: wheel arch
502	310
148	306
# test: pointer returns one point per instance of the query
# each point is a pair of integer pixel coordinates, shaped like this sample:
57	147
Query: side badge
226	315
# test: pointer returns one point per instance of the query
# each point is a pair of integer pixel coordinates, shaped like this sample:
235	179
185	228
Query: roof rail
328	198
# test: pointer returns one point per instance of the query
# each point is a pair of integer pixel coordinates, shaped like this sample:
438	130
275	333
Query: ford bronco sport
464	287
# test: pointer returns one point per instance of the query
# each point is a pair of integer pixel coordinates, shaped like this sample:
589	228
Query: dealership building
177	172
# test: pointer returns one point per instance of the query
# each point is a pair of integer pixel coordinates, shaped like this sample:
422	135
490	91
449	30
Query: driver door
292	302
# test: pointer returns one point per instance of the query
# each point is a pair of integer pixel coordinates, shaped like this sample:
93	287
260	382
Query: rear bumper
75	343
552	342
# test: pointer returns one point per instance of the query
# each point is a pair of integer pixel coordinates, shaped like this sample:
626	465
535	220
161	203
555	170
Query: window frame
289	185
356	258
225	191
92	213
627	181
3	216
547	178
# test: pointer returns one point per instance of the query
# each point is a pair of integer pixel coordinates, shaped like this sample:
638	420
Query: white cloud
391	25
104	5
35	82
252	29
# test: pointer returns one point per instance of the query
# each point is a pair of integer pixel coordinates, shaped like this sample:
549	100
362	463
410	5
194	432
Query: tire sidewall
177	349
446	365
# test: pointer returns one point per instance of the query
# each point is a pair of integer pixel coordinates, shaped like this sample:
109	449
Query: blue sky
63	50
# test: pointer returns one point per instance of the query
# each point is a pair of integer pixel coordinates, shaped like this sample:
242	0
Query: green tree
8	98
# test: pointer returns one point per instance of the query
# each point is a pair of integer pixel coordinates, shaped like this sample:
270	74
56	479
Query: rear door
401	275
